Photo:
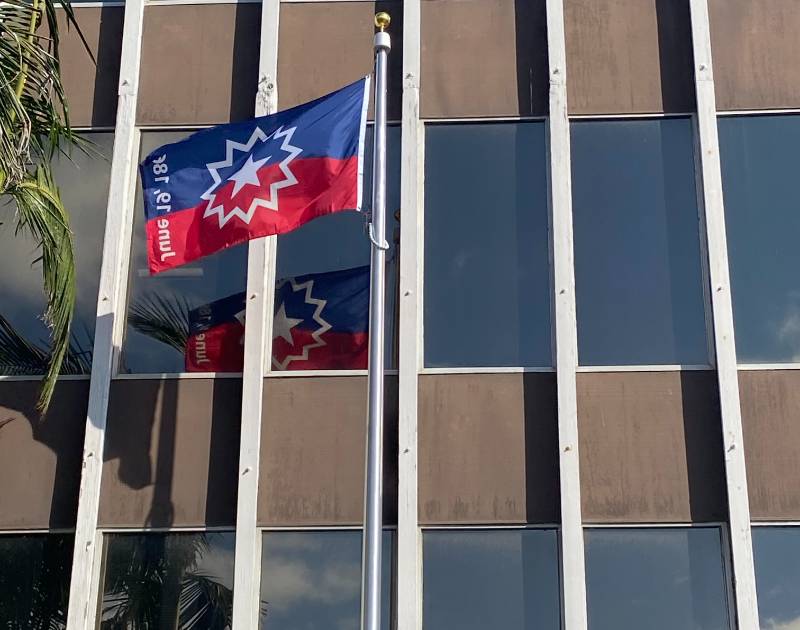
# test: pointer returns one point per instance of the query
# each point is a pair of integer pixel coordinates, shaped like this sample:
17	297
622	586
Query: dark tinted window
777	558
637	247
83	183
487	278
491	579
34	581
762	197
660	579
313	580
168	581
339	242
159	306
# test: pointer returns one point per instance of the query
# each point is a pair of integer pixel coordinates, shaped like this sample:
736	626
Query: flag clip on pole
373	494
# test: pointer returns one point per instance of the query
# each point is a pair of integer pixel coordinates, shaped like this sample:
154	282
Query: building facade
593	391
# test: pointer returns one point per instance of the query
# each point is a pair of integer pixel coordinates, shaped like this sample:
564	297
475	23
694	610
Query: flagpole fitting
371	232
382	39
382	20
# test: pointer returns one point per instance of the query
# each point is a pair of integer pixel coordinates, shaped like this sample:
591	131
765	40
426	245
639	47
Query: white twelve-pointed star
282	325
248	174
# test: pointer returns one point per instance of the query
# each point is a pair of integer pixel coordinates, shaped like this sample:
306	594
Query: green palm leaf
41	215
164	318
22	357
34	126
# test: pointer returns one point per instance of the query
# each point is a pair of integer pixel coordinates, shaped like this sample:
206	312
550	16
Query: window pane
83	182
168	581
159	306
762	198
313	580
660	579
637	247
340	242
34	581
777	559
475	580
487	278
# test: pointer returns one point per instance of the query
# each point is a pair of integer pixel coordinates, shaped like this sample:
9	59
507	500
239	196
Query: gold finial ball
382	20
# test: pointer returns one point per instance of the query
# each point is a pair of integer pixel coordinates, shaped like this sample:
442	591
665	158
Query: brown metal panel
92	89
484	58
171	454
199	63
312	451
756	47
629	56
488	449
326	45
770	402
650	447
40	460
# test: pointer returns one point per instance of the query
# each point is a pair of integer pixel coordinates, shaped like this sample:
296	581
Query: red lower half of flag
221	349
329	351
218	349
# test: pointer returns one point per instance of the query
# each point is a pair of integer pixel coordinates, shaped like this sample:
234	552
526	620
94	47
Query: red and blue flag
321	323
216	336
232	183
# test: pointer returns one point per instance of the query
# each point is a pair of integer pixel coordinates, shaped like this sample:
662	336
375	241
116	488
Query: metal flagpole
373	495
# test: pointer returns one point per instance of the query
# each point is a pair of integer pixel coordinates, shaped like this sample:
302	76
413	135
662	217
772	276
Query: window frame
316	529
488	368
757	113
116	373
705	279
723	529
79	129
493	527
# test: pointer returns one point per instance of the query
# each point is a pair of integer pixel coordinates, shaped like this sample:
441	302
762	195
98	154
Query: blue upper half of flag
335	301
190	170
230	309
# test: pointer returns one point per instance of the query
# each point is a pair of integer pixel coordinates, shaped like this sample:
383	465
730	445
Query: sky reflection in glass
655	578
776	552
474	580
762	198
638	274
312	580
487	275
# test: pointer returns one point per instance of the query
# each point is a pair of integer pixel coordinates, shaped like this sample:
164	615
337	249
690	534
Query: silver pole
373	495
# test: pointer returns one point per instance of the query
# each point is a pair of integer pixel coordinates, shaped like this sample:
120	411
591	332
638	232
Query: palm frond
43	217
18	356
34	113
164	318
34	127
22	357
204	603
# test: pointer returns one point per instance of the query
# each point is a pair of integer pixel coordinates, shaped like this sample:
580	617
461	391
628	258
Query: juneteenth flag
321	323
232	183
216	336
